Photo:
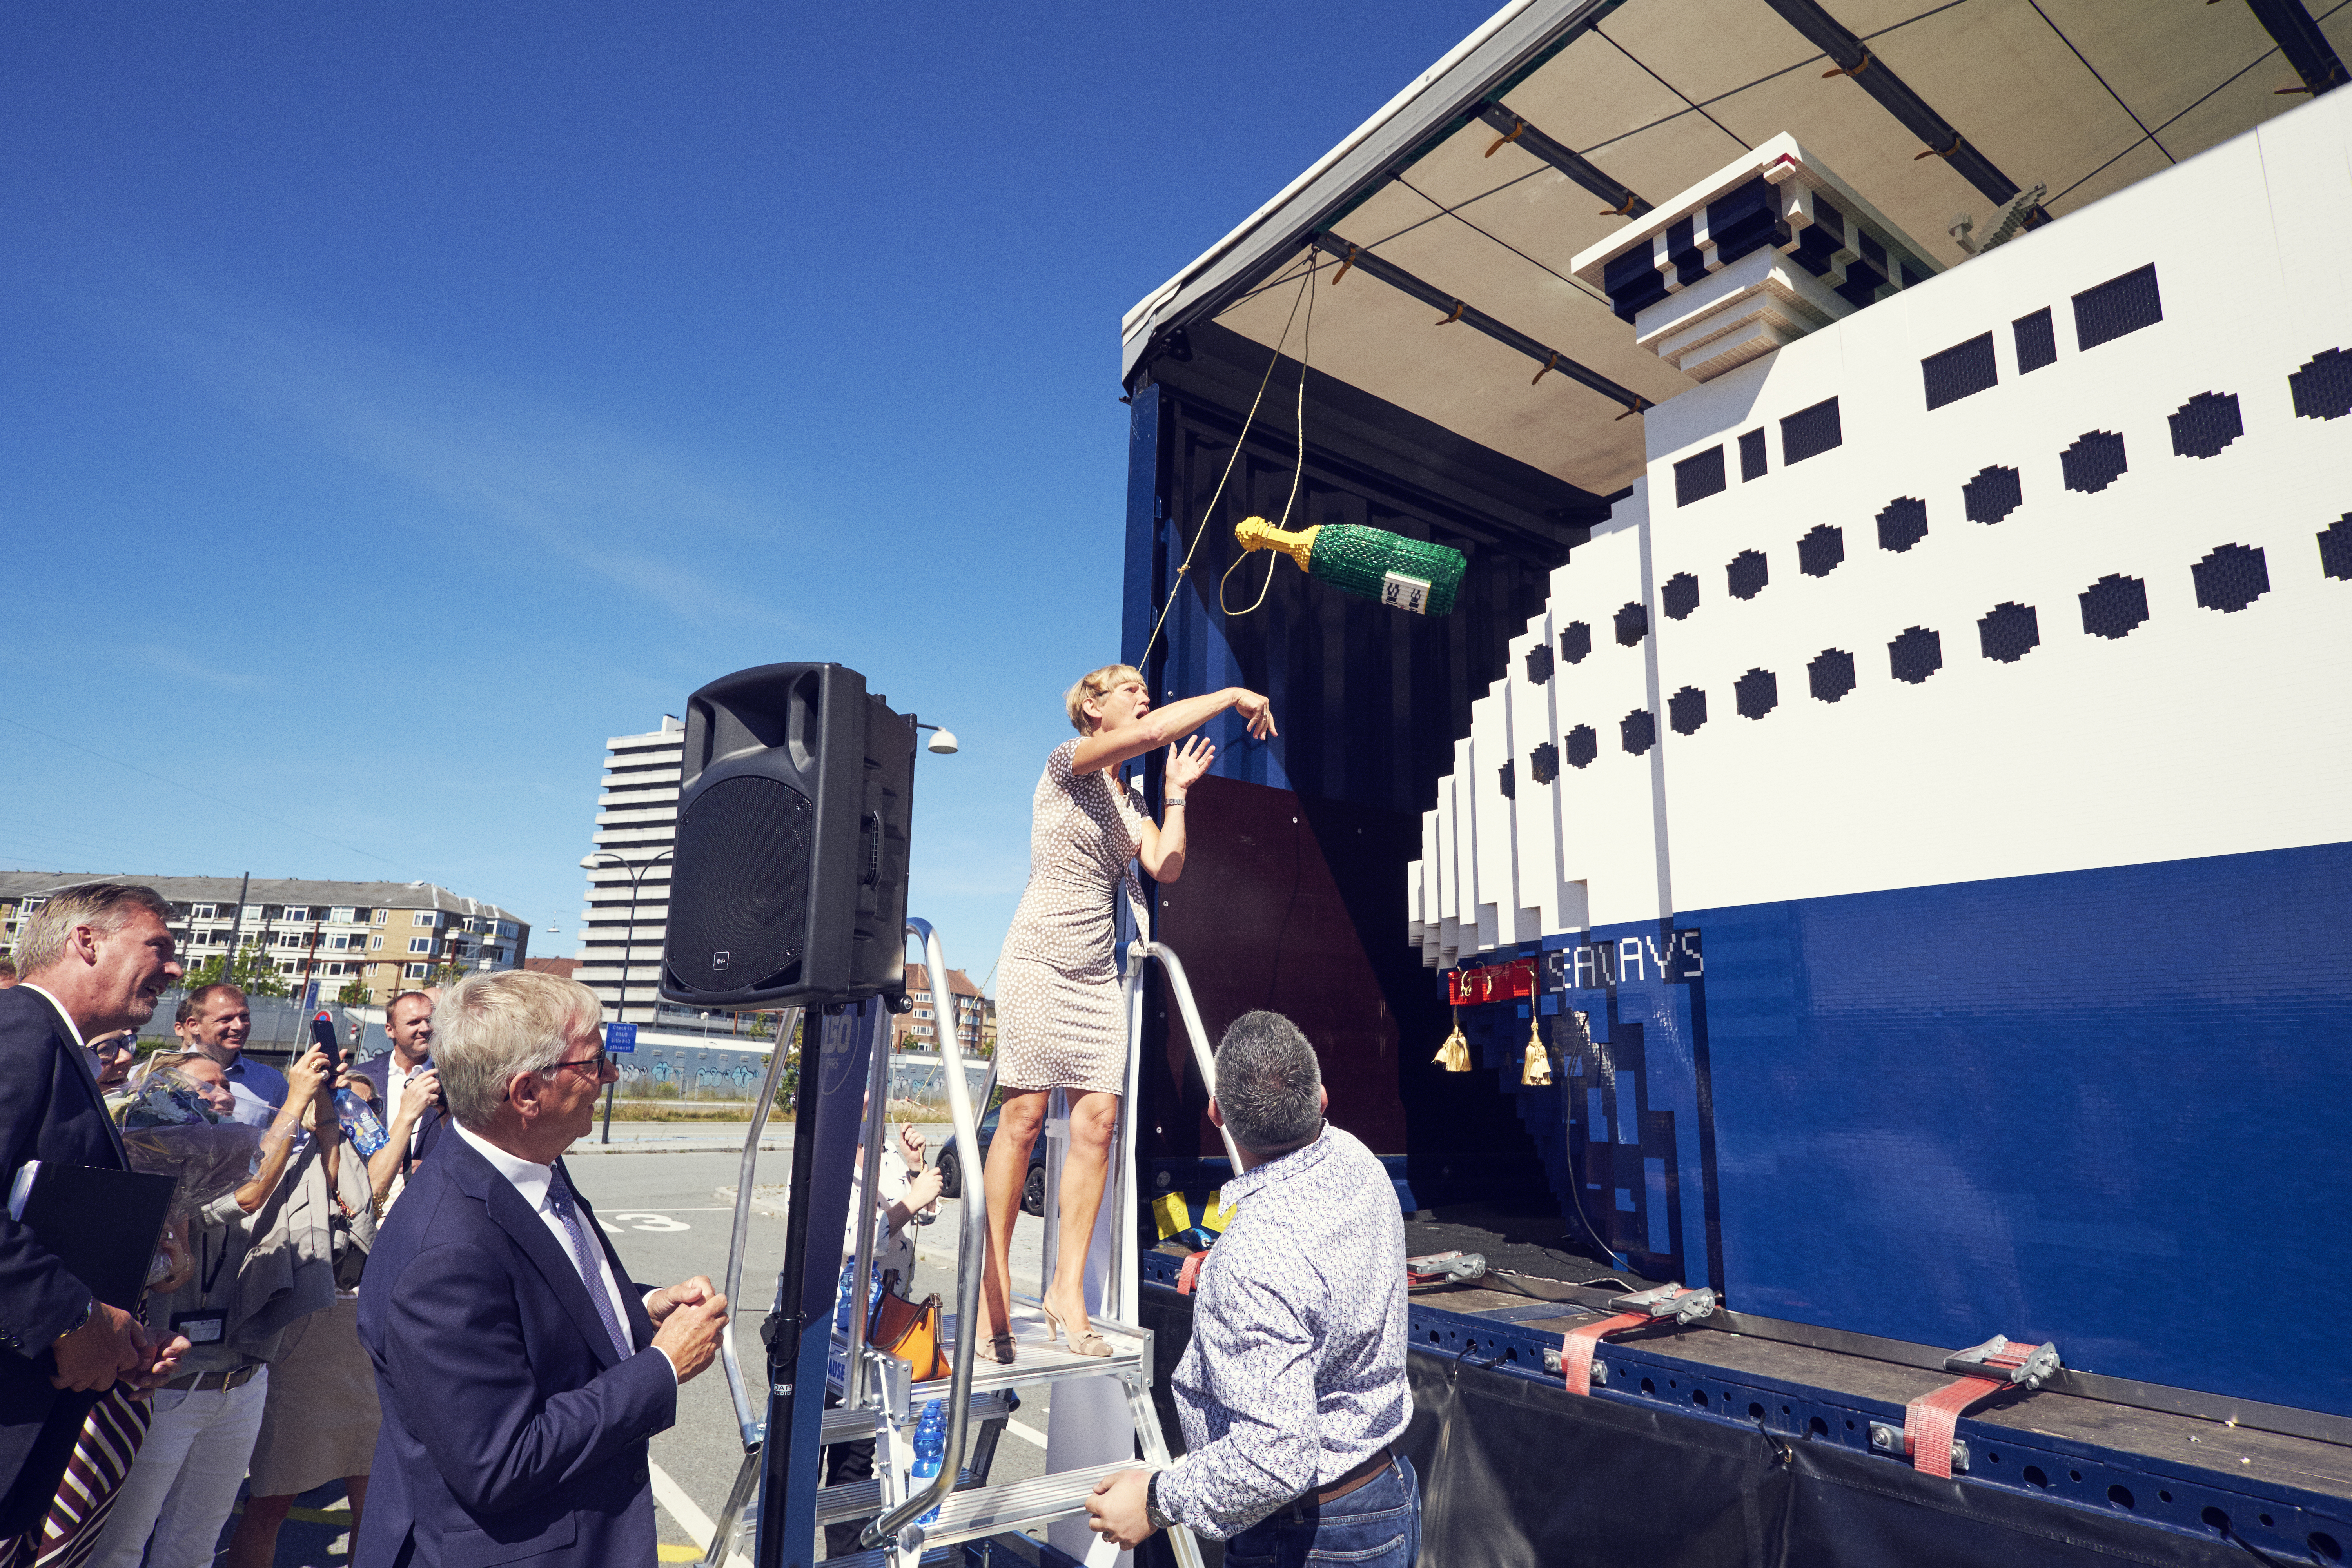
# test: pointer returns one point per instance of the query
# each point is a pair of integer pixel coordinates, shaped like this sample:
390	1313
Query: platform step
861	1499
843	1424
1036	1360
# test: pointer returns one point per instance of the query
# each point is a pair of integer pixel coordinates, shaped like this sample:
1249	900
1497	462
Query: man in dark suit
94	958
408	1092
521	1371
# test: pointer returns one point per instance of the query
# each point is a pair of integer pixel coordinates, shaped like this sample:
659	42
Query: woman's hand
1188	762
421	1094
1259	712
912	1145
303	1079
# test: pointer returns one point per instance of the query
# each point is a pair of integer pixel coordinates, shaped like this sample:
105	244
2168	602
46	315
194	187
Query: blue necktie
585	1257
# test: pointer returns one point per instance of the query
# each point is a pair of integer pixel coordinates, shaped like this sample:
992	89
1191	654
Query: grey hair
1269	1085
101	906
488	1027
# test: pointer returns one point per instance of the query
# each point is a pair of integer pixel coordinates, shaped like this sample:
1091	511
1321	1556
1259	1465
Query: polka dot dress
1058	1020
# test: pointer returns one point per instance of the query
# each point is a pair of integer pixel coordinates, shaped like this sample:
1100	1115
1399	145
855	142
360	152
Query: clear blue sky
395	403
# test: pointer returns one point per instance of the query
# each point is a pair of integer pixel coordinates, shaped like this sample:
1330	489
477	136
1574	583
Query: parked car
1032	1190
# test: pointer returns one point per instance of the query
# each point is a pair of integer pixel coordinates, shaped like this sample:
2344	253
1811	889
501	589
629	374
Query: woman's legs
1093	1117
1023	1112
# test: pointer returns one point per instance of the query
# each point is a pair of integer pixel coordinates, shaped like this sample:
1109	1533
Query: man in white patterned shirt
1294	1384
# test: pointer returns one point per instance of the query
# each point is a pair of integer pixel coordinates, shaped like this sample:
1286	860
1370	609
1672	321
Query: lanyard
212	1269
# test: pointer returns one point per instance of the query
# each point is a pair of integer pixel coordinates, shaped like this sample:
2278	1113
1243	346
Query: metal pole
236	922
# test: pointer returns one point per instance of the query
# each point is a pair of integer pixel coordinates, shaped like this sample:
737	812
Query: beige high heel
1084	1342
998	1349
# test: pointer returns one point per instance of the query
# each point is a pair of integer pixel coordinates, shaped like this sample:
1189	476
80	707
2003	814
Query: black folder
102	1225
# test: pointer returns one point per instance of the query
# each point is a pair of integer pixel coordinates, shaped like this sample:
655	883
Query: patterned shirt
1296	1371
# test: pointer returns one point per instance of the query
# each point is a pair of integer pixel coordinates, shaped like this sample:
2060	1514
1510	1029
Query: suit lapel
79	1069
529	1232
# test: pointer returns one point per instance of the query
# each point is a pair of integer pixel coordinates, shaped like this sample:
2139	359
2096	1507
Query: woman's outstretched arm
1162	726
1162	850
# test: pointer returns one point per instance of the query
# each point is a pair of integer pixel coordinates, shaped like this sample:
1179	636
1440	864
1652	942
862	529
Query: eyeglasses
122	1047
595	1064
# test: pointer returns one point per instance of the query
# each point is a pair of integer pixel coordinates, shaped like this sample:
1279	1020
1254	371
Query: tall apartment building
386	934
919	1028
628	871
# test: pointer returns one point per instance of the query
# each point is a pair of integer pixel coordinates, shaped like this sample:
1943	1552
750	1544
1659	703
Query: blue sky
393	404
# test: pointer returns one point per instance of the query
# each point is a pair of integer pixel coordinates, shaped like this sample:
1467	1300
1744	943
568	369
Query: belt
1372	1466
195	1381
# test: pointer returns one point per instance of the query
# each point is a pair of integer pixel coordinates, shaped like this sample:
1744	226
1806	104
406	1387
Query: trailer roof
1930	107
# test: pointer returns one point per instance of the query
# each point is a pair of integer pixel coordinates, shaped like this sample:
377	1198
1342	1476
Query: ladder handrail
972	1250
1138	952
753	1423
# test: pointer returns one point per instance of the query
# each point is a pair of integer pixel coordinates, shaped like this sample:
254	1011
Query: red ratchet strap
1190	1274
1992	1367
1639	1310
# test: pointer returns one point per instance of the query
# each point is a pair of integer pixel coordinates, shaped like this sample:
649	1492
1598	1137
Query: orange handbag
909	1330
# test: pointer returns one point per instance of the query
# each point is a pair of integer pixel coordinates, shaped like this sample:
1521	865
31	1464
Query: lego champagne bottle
1408	574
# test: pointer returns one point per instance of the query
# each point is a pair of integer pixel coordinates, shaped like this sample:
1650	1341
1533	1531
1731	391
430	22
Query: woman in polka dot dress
1059	1023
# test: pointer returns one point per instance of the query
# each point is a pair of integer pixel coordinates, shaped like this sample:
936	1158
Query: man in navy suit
94	959
521	1371
407	1090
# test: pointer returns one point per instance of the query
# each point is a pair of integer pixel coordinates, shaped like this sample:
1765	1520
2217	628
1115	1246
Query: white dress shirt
534	1183
395	1087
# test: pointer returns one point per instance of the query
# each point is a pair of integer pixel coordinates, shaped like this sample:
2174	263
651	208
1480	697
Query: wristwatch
89	1308
1151	1510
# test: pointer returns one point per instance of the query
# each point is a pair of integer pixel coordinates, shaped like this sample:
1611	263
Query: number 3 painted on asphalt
655	1222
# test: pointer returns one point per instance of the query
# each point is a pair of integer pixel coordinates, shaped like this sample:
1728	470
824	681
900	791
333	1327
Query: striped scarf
110	1440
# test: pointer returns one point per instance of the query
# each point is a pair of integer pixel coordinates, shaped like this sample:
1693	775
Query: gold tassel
1454	1055
1536	1073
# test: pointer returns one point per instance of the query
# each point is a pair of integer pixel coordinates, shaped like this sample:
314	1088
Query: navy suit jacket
512	1430
377	1071
49	1110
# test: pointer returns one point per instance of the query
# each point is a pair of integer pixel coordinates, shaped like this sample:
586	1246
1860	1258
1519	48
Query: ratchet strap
1637	1310
1992	1367
1190	1274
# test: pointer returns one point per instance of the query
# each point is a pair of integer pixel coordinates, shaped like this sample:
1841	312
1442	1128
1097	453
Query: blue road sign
620	1037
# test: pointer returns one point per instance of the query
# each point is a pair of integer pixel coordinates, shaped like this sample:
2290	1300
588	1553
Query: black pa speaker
788	883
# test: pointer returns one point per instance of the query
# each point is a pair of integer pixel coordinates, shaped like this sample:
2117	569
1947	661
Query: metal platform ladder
880	1401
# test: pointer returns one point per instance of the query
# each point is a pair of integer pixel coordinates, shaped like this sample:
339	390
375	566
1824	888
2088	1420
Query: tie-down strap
1992	1367
1637	1310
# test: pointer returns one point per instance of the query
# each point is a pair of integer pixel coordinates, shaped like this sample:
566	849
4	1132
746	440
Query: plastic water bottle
930	1447
361	1129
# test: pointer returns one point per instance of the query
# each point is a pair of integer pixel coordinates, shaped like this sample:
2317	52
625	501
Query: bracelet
1171	800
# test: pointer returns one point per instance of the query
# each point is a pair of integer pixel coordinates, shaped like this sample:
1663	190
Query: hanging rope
1177	583
1306	354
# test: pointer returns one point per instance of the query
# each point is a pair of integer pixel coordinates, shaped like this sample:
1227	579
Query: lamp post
628	952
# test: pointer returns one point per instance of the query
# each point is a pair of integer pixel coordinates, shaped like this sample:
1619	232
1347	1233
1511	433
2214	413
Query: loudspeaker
789	879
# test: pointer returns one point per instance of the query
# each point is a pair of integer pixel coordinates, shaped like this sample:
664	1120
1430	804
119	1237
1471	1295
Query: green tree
255	972
355	993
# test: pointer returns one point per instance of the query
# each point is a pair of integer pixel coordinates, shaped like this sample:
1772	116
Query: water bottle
930	1447
361	1129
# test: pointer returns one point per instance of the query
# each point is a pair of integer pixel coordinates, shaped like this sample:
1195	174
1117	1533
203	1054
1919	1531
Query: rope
1306	354
1239	441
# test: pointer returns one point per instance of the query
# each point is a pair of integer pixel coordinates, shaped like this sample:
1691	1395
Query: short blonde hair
488	1027
1092	686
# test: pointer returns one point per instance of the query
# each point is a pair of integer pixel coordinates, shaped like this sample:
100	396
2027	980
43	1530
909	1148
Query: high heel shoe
1083	1342
998	1349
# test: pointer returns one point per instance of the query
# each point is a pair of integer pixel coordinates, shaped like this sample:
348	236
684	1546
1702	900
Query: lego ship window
1583	745
2322	389
1543	764
1992	495
1819	550
1752	456
1810	432
1539	663
1687	711
1576	642
2336	549
2116	307
1914	656
1638	731
1747	574
2231	578
1831	674
1903	524
1633	624
2008	632
1680	596
2114	605
1961	370
1505	782
2093	462
2205	424
1755	693
2037	340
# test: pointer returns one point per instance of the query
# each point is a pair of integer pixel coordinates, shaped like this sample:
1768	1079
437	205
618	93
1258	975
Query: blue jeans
1378	1525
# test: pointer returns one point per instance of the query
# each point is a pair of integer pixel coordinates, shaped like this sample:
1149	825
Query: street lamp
628	952
942	741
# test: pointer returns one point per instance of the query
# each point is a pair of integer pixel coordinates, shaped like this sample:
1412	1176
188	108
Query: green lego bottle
1408	574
